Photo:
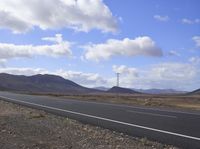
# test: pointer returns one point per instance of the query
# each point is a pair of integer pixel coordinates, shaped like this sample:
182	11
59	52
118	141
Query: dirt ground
25	128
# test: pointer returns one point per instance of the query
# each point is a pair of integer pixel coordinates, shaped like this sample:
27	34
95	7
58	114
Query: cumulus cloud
196	39
182	76
127	47
189	21
8	21
122	69
86	79
59	48
23	71
80	15
161	18
173	71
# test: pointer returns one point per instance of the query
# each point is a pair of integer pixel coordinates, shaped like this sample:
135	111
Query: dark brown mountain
41	84
101	88
160	91
197	92
121	90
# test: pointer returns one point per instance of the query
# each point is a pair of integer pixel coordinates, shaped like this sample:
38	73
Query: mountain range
160	91
148	91
196	92
41	84
52	84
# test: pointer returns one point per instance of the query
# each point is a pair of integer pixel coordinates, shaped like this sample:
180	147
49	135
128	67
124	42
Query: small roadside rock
25	128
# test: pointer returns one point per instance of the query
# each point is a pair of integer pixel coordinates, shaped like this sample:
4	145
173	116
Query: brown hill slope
196	92
121	90
40	84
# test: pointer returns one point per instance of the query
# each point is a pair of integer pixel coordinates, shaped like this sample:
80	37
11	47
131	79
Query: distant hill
121	90
58	85
101	88
160	91
41	84
197	92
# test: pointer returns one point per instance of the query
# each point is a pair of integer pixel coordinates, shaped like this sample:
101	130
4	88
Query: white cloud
174	53
86	79
80	15
122	69
17	25
195	60
161	18
23	71
196	39
2	62
182	76
189	21
60	48
173	71
127	47
56	39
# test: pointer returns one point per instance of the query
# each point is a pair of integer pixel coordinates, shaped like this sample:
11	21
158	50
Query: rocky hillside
196	92
121	90
40	84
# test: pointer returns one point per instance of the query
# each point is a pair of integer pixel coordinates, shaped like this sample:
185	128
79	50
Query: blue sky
154	44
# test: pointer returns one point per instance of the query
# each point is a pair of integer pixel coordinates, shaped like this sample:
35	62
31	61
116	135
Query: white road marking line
105	119
153	114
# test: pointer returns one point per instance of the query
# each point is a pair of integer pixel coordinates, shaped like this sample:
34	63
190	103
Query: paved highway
180	128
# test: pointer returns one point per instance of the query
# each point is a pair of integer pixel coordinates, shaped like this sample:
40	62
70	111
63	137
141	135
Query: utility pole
118	79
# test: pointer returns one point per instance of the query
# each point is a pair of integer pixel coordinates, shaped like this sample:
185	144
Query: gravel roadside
26	128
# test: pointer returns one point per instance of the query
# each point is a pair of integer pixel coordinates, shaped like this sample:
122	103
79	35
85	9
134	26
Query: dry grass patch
173	101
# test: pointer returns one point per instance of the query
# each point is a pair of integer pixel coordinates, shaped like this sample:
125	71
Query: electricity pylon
118	79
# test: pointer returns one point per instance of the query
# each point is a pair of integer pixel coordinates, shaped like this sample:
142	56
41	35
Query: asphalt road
179	128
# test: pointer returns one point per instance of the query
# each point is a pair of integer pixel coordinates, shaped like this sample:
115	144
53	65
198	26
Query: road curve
179	128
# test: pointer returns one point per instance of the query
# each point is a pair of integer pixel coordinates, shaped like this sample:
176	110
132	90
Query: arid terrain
25	128
187	102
